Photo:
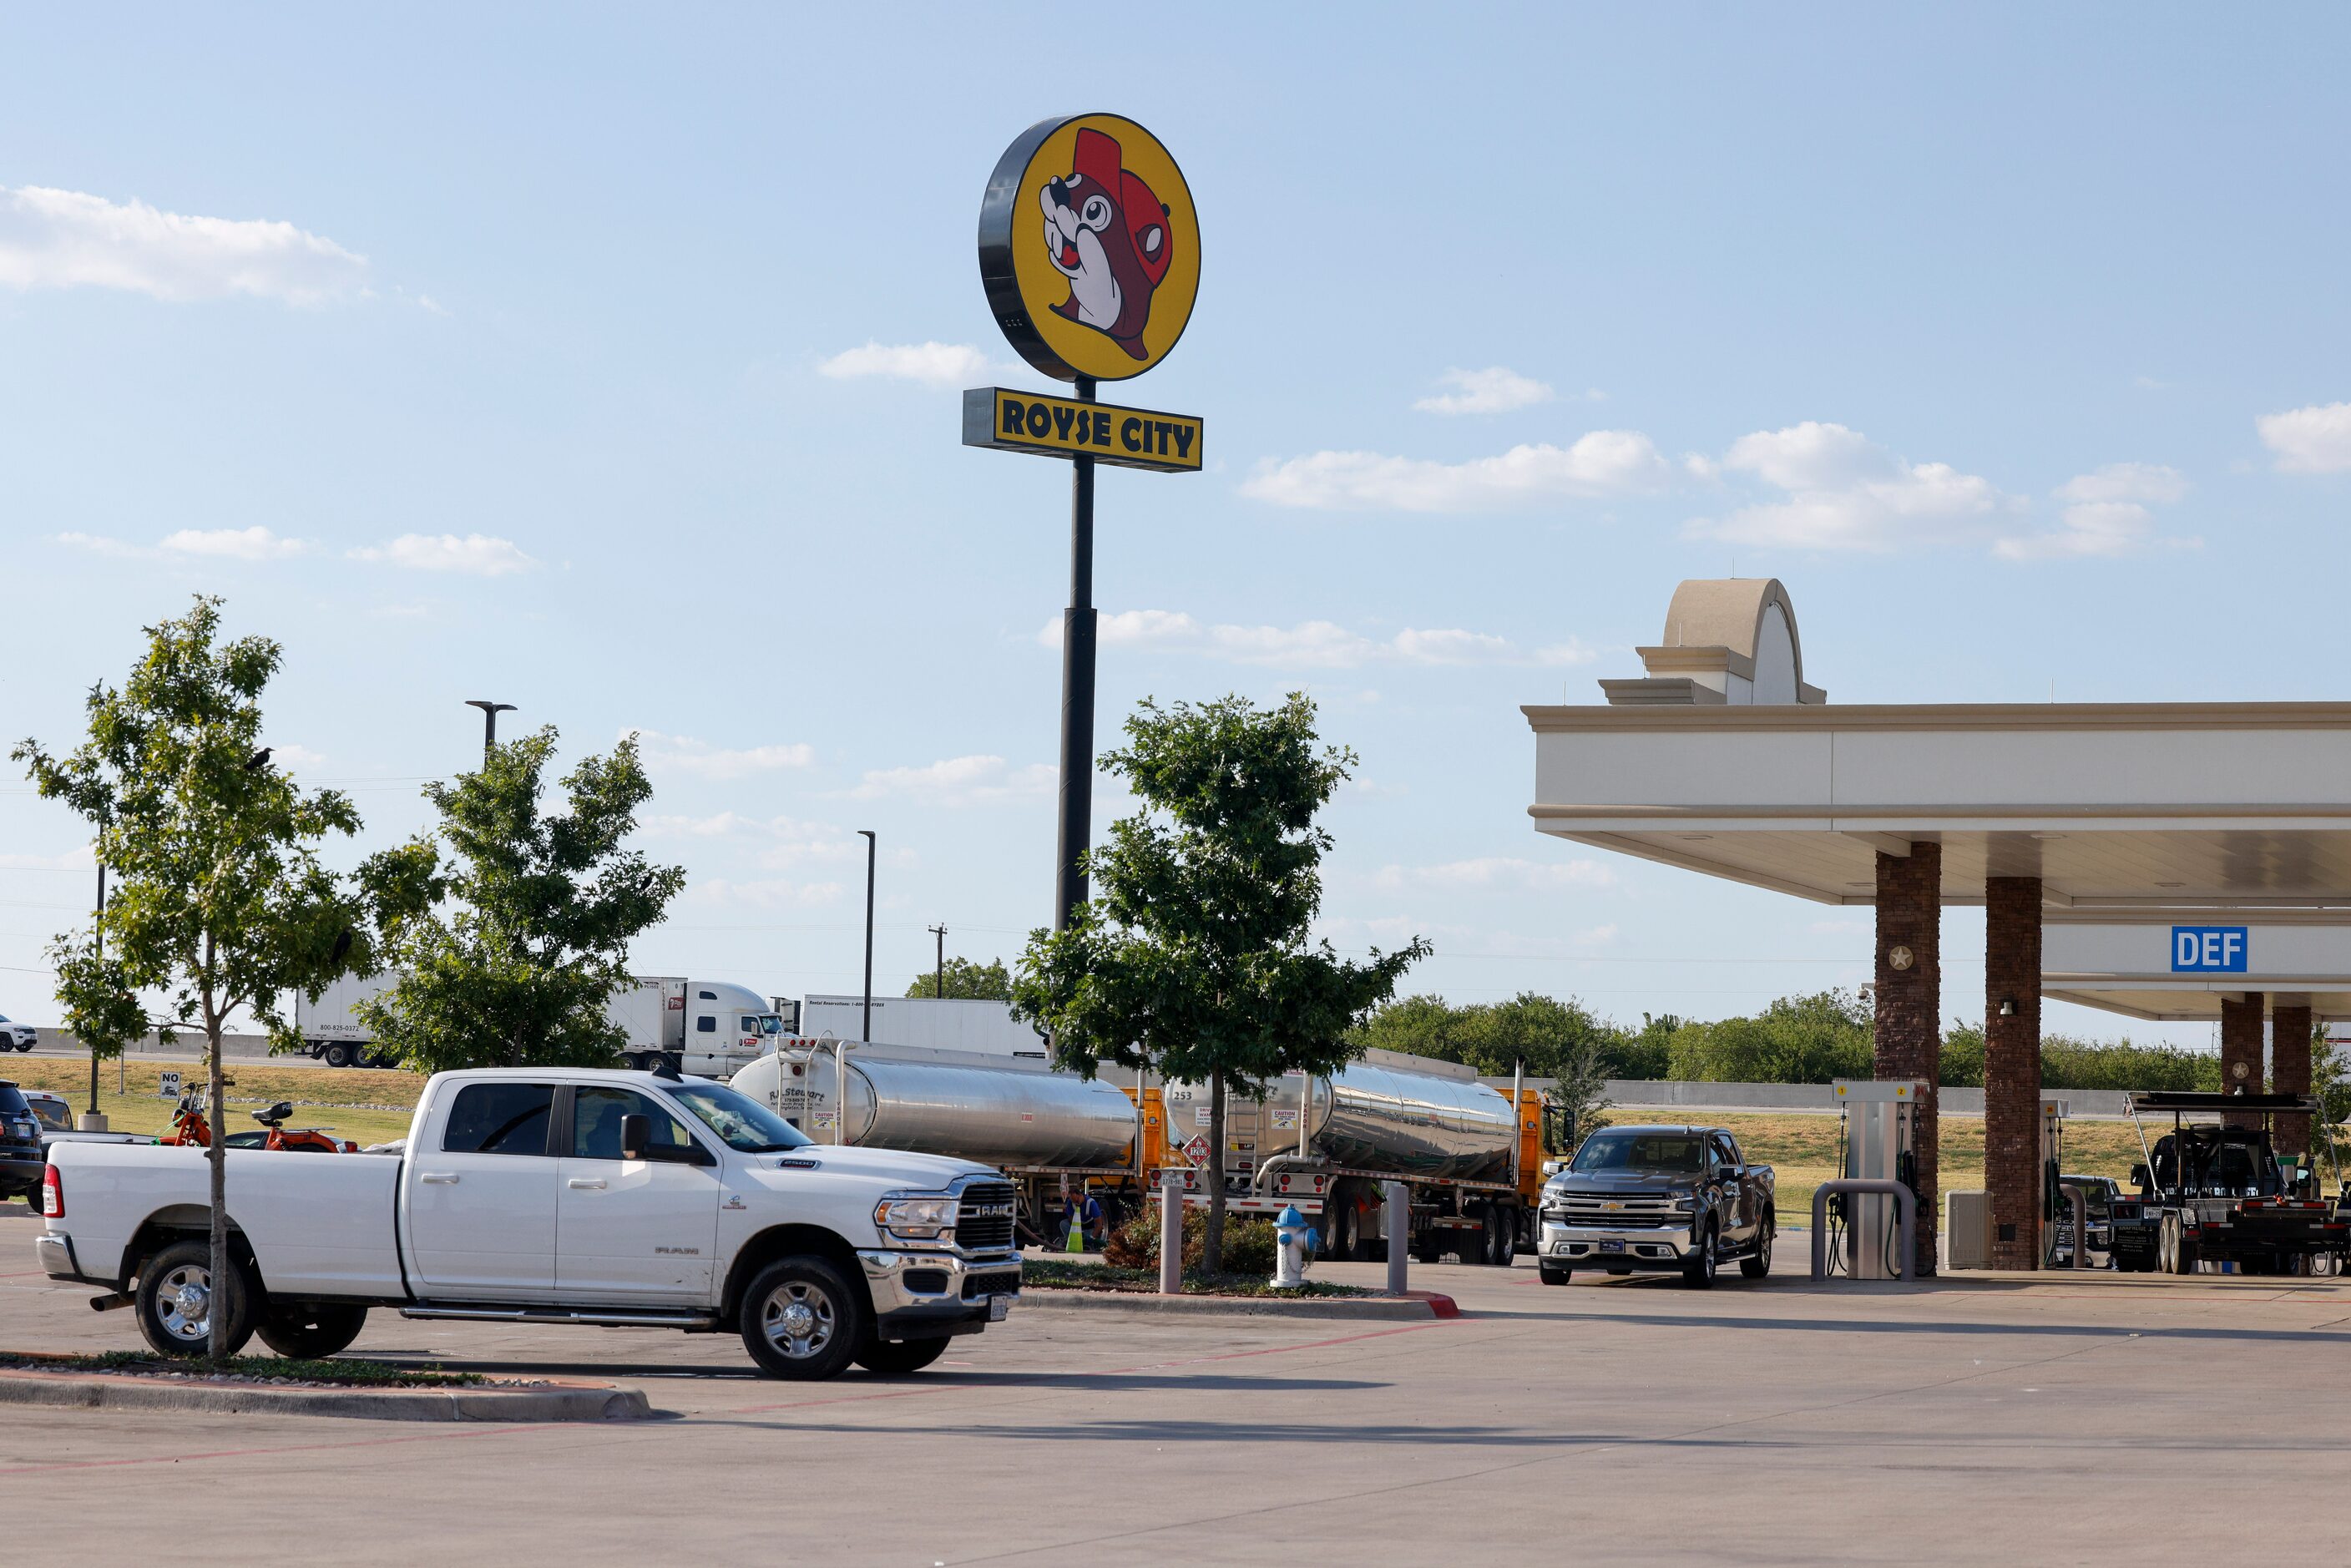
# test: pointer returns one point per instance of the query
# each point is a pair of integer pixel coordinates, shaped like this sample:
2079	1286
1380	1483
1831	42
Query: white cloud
2313	440
98	543
1491	391
1312	644
296	759
932	364
67	239
785	843
768	892
700	759
2107	515
1602	463
82	859
241	544
1846	492
1500	870
959	782
476	555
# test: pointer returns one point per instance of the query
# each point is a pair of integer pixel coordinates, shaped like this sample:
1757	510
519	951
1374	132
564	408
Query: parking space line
482	1431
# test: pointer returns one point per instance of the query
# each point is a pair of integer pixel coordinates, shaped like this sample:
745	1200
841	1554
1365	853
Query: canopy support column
2012	1069
1909	999
2241	1048
2290	1073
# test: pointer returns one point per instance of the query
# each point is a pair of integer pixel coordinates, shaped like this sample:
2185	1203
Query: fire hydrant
1295	1248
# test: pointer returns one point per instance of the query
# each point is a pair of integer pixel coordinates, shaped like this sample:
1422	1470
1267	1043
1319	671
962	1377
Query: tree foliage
967	981
1192	960
535	914
221	902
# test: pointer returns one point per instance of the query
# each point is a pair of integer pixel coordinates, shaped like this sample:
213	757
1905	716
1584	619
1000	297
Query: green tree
1796	1039
2330	1083
1192	960
540	909
220	901
967	980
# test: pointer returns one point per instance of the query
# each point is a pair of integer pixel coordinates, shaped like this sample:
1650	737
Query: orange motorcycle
189	1127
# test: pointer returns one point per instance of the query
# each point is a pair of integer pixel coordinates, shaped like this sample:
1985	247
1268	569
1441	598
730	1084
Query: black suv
21	1159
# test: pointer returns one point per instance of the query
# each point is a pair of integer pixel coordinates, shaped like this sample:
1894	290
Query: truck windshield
1642	1154
772	1023
741	1122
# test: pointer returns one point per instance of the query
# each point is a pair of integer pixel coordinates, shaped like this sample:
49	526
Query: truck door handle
447	1179
583	1184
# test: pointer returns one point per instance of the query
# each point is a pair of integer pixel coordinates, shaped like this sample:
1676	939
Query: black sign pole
1077	690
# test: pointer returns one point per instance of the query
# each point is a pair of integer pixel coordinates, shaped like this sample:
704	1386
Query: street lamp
939	986
865	1030
490	712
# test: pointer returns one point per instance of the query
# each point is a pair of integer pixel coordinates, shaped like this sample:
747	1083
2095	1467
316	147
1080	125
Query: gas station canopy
2137	817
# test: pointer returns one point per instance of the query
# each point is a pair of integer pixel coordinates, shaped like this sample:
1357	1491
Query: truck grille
1601	1208
984	1219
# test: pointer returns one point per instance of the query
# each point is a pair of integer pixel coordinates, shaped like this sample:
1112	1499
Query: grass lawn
1803	1151
365	1105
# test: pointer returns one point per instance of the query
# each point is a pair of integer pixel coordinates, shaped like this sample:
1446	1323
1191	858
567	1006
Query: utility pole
490	712
865	1030
939	986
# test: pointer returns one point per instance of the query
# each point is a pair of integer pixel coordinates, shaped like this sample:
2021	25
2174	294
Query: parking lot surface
1970	1420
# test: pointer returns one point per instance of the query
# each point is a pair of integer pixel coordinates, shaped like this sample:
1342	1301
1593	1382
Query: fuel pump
2056	1207
1878	1127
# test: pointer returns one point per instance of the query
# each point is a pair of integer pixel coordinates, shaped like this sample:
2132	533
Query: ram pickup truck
567	1196
1657	1200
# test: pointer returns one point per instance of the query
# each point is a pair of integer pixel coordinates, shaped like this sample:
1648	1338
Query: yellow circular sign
1090	248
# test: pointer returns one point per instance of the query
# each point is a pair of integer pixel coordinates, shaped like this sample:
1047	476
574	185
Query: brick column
2290	1073
2241	1040
1910	1010
2012	1069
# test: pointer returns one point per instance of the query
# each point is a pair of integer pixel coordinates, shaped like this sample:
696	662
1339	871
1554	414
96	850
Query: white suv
18	1035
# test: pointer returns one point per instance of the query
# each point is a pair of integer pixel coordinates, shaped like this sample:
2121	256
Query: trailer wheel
1506	1236
337	1054
1341	1225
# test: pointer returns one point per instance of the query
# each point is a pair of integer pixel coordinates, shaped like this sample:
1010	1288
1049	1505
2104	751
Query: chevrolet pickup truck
564	1195
1657	1200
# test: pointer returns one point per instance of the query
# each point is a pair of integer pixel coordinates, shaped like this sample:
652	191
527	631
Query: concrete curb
1415	1305
98	1391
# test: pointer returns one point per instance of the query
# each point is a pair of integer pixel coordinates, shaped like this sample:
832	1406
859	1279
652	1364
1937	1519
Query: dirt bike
189	1127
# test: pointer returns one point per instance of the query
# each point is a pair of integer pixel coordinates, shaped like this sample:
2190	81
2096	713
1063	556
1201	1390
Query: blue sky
605	361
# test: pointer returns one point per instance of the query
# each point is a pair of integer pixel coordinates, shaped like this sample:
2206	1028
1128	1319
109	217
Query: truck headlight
916	1217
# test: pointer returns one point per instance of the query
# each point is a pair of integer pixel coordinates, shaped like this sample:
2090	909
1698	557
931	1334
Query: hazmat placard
1049	426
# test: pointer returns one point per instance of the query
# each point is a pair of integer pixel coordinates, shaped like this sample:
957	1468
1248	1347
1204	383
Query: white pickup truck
565	1194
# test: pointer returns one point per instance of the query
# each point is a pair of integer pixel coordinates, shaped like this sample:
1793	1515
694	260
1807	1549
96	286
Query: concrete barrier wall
190	1046
1653	1093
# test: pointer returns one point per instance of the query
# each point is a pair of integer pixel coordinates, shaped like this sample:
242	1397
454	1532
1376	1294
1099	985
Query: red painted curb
1442	1306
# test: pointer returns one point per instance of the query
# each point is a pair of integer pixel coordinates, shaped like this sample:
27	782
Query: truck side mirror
636	1131
2139	1178
1552	1168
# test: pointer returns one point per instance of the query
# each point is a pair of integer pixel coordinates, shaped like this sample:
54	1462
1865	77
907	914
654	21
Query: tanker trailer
1472	1169
1045	1130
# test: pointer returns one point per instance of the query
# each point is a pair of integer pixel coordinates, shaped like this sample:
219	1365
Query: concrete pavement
2112	1418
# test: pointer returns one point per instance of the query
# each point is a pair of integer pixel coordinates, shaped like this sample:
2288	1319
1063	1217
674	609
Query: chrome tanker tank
952	1103
1393	1114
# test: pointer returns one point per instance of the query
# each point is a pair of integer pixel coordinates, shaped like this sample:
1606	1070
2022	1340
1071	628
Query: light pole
939	986
490	712
93	1123
865	1030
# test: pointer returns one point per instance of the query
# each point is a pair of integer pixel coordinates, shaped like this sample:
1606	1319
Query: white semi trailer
932	1023
707	1027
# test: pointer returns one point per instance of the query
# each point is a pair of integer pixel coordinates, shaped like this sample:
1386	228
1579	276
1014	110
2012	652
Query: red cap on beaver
1100	162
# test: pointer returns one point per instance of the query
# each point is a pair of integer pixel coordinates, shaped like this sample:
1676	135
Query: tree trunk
216	1344
1212	1249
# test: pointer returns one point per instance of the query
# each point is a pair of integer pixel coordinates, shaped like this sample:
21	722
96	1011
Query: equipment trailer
2217	1194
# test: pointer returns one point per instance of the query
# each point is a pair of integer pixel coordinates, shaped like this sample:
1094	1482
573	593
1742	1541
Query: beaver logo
1107	233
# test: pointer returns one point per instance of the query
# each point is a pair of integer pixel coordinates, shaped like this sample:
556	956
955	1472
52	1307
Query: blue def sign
2207	949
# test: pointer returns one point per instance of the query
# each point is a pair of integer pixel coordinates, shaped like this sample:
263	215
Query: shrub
1249	1244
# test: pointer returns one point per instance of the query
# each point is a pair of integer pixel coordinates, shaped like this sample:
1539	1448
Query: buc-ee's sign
2209	949
1063	427
1090	253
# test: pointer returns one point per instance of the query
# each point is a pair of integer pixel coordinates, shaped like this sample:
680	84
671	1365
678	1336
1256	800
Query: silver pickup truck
1658	1199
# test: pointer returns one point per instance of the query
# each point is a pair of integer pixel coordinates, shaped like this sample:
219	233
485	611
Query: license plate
1608	1246
997	1306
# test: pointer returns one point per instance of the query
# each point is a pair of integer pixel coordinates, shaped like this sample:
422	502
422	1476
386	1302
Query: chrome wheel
799	1319
184	1304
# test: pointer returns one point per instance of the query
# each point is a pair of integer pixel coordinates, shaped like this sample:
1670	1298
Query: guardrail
1905	1210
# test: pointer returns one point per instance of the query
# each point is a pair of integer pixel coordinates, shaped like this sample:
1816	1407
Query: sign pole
1077	691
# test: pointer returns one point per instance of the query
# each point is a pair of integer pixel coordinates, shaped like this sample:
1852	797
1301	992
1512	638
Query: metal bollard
2080	1196
1399	1219
1171	1233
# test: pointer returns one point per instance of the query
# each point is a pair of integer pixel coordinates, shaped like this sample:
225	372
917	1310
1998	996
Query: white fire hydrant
1295	1250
